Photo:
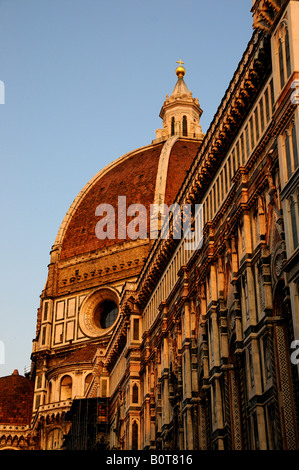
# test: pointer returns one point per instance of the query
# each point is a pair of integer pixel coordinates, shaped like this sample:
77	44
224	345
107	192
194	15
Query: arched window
284	56
66	388
54	440
185	129
172	126
87	382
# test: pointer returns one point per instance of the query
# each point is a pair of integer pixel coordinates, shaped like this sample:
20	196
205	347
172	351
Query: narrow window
39	381
262	114
185	130
221	185
242	149
267	105
135	394
238	154
46	311
247	141
44	335
134	436
251	132
229	172
225	178
136	329
294	223
37	401
257	124
272	94
295	147
287	52
214	198
172	126
281	65
205	213
50	395
234	162
288	154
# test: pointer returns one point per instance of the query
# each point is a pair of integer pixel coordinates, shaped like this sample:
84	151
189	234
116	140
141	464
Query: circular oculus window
105	314
98	312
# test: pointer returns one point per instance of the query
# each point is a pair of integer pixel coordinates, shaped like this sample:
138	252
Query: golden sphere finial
180	70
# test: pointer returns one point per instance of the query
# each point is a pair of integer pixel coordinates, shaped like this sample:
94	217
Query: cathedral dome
16	399
148	175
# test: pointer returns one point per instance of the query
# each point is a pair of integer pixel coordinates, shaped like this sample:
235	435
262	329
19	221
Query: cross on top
180	62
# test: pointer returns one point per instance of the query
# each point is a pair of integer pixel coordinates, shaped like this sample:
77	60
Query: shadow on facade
89	428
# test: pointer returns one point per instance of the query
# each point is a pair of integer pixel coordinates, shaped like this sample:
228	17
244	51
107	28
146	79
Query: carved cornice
265	13
16	437
239	98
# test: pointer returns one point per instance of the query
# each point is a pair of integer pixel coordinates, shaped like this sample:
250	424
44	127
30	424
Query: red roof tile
16	399
80	355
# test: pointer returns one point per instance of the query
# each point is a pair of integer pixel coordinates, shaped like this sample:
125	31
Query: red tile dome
16	399
135	176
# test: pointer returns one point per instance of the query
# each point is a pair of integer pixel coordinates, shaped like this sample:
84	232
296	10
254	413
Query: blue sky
84	83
